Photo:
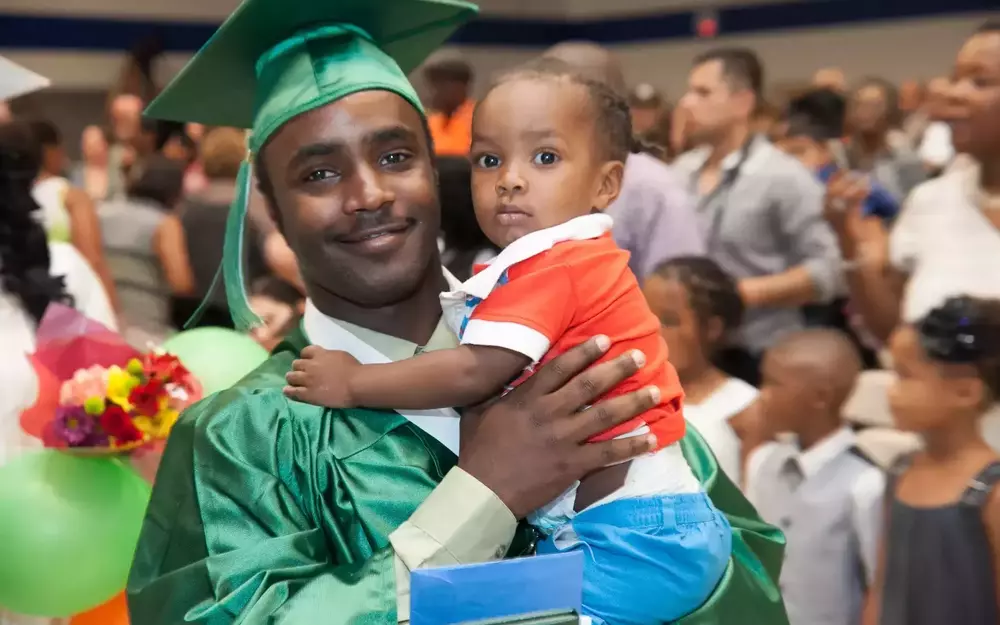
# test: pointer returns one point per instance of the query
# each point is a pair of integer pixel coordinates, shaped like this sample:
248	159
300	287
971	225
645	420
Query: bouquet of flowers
97	395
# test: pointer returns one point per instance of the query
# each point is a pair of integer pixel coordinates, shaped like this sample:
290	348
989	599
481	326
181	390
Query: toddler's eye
488	161
546	158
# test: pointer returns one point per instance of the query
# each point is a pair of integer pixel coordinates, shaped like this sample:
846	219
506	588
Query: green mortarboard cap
273	60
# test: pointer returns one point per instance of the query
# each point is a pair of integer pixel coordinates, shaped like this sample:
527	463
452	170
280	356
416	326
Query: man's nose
371	192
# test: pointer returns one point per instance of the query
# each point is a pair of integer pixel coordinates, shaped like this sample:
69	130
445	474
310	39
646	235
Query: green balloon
218	357
69	526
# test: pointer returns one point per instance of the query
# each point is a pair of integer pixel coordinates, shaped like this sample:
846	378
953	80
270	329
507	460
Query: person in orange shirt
548	155
450	120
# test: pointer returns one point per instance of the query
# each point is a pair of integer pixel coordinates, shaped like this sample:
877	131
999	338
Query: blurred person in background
463	244
449	79
651	121
913	118
92	172
67	212
654	214
936	149
680	138
699	308
946	240
872	113
827	496
181	147
767	121
189	242
830	78
125	120
130	225
761	210
196	132
814	122
645	103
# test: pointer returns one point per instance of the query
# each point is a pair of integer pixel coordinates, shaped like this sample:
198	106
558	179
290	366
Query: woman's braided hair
24	251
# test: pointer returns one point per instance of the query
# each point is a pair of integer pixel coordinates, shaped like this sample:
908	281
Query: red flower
145	398
116	422
165	367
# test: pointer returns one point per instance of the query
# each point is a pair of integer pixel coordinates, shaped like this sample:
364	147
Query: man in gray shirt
654	214
761	211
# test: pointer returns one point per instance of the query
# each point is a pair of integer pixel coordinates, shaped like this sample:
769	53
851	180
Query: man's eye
488	161
320	174
546	158
394	158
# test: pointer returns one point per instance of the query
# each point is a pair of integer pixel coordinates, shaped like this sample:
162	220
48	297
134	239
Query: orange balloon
114	612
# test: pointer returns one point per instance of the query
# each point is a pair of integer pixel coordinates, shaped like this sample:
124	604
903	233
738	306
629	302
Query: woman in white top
67	212
946	240
33	273
699	307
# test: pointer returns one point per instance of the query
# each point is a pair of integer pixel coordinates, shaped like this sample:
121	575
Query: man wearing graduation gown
270	511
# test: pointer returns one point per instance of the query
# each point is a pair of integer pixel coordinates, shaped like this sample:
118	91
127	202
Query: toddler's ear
610	184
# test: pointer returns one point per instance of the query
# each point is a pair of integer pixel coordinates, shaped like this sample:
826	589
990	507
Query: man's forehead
353	119
709	73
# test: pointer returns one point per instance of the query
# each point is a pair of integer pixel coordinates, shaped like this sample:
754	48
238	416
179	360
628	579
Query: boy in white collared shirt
821	490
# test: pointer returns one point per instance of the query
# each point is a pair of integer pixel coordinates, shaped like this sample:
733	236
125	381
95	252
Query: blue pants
649	560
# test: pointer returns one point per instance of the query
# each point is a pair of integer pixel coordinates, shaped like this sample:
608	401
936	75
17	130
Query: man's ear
610	177
260	194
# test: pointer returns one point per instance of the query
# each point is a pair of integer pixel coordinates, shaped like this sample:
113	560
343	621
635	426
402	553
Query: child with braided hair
941	551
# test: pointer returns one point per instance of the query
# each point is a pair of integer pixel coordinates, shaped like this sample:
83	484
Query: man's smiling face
355	194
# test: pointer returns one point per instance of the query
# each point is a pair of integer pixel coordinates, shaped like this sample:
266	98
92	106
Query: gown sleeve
748	591
229	538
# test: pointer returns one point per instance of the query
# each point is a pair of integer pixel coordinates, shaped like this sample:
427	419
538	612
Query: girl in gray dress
942	548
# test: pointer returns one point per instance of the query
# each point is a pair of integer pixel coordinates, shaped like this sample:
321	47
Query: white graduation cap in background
17	81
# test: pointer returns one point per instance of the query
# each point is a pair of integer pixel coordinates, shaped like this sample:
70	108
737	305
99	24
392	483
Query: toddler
548	152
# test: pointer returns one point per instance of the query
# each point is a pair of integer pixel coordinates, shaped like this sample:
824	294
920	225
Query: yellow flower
120	384
159	425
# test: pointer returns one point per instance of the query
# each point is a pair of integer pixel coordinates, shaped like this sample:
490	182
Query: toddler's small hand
322	377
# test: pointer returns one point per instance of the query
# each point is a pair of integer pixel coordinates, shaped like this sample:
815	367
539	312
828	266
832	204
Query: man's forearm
788	289
461	522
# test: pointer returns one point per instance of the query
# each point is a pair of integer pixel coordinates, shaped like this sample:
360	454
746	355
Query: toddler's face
535	162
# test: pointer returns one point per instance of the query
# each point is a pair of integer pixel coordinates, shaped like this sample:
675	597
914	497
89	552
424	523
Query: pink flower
85	383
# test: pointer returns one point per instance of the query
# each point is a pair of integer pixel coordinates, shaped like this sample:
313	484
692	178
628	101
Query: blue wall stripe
52	32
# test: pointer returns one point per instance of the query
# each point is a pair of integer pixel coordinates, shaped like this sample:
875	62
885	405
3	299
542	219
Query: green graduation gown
271	511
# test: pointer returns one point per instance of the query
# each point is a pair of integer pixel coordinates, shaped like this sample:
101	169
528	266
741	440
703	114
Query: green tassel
232	254
243	315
